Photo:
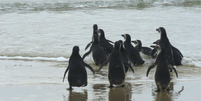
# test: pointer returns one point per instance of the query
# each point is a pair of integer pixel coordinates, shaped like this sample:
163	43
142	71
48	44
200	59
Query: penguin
77	75
145	50
162	74
116	68
95	31
98	54
124	55
165	44
177	55
104	43
133	54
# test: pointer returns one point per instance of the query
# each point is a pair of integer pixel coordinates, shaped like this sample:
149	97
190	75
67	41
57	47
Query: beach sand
42	81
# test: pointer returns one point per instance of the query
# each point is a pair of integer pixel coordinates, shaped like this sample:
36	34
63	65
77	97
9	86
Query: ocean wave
63	6
186	61
61	59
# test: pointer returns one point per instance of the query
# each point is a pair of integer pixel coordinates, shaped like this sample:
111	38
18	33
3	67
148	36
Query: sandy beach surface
42	81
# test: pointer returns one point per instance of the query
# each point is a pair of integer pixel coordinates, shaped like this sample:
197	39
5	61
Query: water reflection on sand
167	96
137	87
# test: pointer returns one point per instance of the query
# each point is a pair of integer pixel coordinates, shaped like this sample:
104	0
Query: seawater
50	29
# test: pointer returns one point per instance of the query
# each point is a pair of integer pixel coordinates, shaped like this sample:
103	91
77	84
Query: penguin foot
70	88
111	86
123	85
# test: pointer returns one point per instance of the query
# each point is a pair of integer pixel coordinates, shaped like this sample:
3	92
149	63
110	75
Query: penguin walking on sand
134	55
177	55
95	31
145	50
116	68
77	75
98	54
162	74
104	43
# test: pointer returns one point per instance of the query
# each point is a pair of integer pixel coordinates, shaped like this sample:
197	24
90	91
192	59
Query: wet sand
42	81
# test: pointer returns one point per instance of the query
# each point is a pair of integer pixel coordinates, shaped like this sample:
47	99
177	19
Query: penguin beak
152	46
155	46
158	29
156	42
135	42
124	36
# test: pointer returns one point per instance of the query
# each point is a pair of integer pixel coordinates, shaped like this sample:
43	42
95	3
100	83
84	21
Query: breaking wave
65	5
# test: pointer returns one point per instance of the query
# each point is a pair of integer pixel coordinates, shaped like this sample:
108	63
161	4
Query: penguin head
95	27
121	42
76	49
102	34
117	45
156	42
126	37
137	42
157	47
162	31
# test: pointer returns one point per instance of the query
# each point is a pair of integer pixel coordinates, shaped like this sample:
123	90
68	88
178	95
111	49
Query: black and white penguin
165	44
77	75
95	31
145	50
133	53
98	54
177	55
116	68
162	74
104	43
124	55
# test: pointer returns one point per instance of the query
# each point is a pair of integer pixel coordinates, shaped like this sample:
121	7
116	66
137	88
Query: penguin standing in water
165	44
98	55
104	43
133	54
77	75
177	55
124	55
95	31
116	68
145	50
162	74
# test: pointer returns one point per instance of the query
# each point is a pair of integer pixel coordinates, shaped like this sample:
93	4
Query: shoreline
42	81
52	92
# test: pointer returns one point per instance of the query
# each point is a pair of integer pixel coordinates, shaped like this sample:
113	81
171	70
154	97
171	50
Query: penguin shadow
76	96
167	96
120	93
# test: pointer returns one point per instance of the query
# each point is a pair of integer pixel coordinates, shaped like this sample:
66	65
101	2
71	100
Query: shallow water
37	38
42	80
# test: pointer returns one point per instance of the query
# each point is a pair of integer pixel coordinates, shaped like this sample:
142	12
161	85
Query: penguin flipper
88	66
88	45
129	65
175	71
87	53
150	67
65	73
104	63
177	50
